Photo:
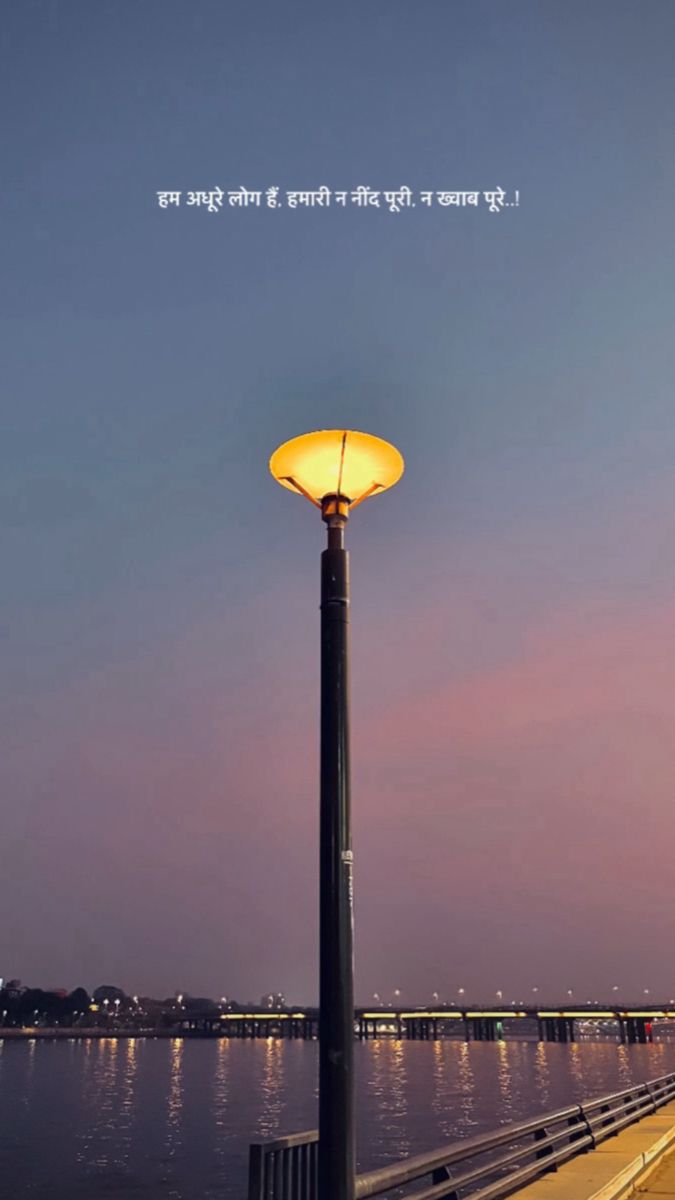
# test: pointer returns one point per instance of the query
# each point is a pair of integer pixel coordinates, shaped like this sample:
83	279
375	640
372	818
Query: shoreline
22	1035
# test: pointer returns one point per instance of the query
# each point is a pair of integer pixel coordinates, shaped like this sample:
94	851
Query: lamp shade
337	462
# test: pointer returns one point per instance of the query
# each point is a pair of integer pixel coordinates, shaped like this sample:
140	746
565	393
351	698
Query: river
146	1119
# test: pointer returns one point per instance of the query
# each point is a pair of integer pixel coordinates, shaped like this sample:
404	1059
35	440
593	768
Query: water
172	1119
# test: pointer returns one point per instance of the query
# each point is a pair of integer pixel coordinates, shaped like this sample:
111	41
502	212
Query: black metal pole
336	1002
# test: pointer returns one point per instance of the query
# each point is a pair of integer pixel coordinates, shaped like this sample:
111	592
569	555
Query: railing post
442	1175
576	1126
256	1172
589	1127
541	1135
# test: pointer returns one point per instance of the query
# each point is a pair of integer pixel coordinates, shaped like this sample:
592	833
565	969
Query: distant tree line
107	1007
29	1005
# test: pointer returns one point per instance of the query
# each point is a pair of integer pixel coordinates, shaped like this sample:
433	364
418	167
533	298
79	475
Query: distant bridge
633	1025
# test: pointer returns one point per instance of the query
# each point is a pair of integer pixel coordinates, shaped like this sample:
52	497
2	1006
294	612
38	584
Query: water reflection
467	1088
576	1068
625	1068
174	1109
221	1094
272	1087
95	1145
387	1086
444	1089
454	1087
106	1079
659	1057
174	1118
504	1077
130	1052
542	1075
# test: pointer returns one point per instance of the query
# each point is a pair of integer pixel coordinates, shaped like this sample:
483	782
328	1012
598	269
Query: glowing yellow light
334	462
590	1014
653	1014
422	1013
263	1016
508	1013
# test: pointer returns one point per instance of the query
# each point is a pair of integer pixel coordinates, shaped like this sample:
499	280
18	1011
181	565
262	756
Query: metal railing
285	1169
482	1168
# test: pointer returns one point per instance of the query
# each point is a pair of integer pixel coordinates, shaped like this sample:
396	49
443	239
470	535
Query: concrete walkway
633	1163
662	1182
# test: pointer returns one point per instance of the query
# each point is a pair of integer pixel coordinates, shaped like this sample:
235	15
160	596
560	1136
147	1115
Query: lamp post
336	469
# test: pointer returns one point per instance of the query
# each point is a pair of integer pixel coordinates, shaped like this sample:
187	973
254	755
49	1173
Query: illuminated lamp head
336	469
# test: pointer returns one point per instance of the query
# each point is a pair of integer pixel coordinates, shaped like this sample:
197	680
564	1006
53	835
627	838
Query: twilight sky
513	674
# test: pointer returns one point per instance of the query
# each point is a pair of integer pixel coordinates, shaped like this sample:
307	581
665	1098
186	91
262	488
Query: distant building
273	1000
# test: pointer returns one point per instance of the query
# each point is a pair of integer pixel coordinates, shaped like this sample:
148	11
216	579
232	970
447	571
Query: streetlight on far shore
336	469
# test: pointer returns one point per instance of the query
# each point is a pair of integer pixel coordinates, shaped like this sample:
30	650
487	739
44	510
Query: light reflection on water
542	1077
269	1124
504	1074
466	1088
129	1049
174	1108
221	1094
168	1119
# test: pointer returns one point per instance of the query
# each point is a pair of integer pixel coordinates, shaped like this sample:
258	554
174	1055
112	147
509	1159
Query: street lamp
336	469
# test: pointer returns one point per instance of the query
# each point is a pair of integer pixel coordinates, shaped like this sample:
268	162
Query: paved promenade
662	1182
622	1166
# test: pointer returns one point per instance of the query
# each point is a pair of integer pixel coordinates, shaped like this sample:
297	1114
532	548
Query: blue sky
159	594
